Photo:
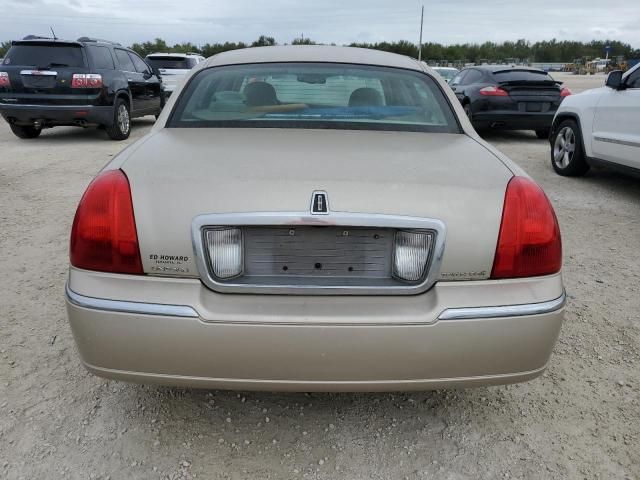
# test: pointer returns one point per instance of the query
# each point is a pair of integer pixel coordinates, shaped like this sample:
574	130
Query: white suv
599	127
173	67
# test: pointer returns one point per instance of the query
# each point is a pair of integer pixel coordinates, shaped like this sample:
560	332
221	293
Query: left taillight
493	91
104	236
86	80
4	79
565	92
529	243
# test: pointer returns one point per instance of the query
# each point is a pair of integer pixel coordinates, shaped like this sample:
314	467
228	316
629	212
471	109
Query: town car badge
319	203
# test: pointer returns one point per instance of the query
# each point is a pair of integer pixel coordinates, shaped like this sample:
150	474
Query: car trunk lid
180	174
40	73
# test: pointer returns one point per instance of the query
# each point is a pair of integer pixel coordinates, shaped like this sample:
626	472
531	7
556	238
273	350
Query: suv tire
121	126
567	154
25	131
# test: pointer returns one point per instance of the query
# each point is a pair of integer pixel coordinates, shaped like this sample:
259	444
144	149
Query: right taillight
4	79
565	92
529	242
103	236
86	80
493	91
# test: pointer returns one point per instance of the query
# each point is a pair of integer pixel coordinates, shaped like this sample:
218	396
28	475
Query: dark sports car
516	98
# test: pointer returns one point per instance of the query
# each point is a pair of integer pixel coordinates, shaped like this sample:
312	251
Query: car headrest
259	94
365	97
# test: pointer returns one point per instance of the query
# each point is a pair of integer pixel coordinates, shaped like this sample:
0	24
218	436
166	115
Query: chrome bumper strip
130	307
504	311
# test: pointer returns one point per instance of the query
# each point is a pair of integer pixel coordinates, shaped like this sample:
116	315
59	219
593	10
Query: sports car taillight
493	92
565	92
103	236
529	242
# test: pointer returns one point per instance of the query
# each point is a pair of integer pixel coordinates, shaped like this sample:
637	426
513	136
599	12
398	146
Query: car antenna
54	33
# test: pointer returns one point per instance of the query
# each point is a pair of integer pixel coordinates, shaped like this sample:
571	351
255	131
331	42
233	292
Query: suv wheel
543	134
121	126
567	154
25	131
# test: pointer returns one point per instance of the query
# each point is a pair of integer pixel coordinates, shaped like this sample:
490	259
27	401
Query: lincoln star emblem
319	203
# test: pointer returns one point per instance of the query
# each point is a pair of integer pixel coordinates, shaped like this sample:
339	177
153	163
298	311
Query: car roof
507	68
82	41
313	53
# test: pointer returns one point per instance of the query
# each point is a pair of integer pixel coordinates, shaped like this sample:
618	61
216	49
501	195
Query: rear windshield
522	76
172	63
314	95
45	55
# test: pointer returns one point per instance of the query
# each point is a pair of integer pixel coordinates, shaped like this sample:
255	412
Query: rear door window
634	79
458	79
102	59
124	60
45	55
139	64
474	76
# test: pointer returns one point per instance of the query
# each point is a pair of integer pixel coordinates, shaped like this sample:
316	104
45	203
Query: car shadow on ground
511	136
83	135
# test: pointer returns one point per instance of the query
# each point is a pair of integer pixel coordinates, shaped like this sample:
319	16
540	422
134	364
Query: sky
325	21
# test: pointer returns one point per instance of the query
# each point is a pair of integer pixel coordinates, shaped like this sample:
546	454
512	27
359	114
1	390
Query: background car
297	220
88	82
516	98
599	127
172	67
448	73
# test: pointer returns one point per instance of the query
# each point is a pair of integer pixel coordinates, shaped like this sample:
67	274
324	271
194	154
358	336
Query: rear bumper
513	120
309	349
56	115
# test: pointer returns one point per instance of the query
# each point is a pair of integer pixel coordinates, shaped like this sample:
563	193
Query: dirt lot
580	420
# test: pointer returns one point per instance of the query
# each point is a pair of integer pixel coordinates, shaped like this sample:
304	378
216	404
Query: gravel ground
580	420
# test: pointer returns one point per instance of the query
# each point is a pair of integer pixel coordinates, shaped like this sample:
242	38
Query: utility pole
420	44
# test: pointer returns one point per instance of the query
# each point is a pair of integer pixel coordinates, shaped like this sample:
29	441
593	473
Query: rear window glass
45	55
172	63
520	75
308	95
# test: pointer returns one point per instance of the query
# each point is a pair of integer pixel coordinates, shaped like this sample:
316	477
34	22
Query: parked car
599	127
88	82
448	73
314	218
504	97
173	67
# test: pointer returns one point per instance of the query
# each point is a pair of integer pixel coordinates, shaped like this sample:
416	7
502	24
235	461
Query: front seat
365	97
260	94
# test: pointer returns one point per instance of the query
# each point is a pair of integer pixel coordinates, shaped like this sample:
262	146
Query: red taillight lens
86	80
103	236
565	92
529	243
493	92
4	80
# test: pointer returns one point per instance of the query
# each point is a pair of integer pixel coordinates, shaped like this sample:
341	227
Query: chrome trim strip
129	307
39	73
504	310
332	219
626	143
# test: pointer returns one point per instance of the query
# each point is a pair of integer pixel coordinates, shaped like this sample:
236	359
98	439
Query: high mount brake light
493	91
103	236
86	80
529	242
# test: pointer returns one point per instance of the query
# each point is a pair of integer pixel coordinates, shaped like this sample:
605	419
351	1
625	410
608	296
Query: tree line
546	51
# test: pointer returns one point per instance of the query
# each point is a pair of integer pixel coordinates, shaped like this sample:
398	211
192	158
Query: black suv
49	82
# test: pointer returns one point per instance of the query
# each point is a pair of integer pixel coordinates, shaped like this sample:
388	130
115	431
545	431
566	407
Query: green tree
303	41
4	48
264	41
